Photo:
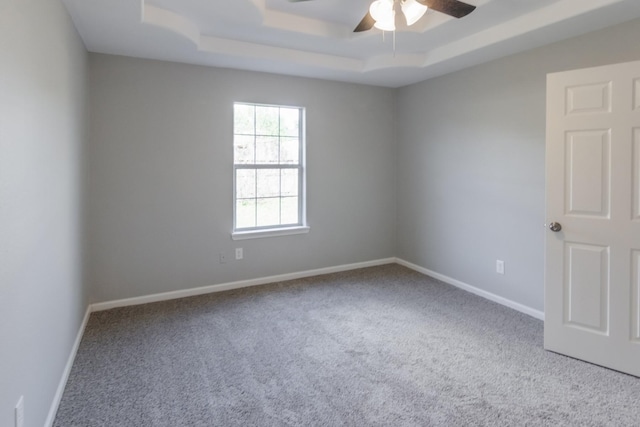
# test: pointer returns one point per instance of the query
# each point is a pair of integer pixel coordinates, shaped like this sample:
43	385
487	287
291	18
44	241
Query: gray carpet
382	346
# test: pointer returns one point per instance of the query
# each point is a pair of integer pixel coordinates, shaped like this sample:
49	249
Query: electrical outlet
20	412
499	266
239	254
223	258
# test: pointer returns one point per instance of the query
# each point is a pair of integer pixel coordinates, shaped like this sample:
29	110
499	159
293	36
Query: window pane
267	150
243	149
268	182
269	137
289	150
245	213
289	183
267	121
268	212
243	119
289	210
245	183
289	122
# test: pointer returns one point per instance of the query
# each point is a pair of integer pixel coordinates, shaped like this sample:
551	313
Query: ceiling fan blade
454	8
366	23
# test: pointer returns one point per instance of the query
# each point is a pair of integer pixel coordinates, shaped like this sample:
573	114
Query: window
268	166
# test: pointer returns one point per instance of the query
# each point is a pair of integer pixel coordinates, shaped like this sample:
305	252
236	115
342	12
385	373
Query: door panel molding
635	150
588	169
586	287
635	296
588	98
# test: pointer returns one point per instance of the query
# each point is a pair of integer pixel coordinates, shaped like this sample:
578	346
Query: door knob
555	227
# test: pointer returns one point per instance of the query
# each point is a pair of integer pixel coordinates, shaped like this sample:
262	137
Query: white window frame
274	230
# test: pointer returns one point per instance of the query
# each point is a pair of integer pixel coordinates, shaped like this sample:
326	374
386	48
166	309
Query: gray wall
160	176
43	77
471	165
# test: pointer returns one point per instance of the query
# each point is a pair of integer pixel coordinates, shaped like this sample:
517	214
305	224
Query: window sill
274	232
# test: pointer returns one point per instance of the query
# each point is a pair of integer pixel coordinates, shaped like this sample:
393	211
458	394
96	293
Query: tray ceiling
316	39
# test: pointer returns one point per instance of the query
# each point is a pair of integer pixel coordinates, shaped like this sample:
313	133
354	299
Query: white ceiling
316	39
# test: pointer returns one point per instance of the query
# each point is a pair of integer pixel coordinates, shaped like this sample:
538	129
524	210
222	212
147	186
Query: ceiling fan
381	13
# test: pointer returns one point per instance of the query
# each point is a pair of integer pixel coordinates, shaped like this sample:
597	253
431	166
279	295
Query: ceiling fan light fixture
412	11
387	24
382	12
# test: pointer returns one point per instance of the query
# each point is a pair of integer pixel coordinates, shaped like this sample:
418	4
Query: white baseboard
234	285
464	286
67	370
165	296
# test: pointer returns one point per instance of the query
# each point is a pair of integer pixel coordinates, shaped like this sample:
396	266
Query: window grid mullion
280	171
300	171
255	159
263	166
280	196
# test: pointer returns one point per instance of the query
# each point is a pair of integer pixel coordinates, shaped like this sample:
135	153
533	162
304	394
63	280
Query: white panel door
592	264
